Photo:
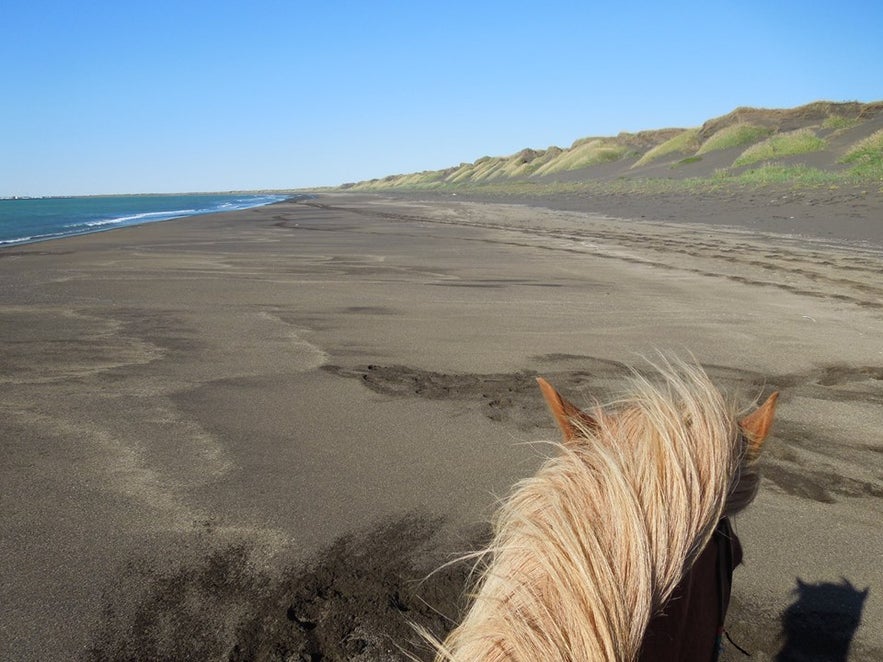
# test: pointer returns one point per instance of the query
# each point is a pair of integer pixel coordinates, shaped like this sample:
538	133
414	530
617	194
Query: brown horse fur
591	547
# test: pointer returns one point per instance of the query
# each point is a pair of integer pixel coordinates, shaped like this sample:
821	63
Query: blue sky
129	97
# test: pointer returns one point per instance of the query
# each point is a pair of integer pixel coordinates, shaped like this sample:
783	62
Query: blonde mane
587	550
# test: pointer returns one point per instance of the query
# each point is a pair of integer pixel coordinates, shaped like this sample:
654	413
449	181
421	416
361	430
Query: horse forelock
587	550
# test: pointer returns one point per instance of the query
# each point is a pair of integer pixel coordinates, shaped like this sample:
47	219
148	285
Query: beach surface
254	435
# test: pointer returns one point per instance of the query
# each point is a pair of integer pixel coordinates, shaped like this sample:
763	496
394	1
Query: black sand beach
254	435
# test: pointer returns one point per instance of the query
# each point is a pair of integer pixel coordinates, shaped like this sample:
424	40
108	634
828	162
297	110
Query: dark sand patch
509	397
359	599
512	398
369	310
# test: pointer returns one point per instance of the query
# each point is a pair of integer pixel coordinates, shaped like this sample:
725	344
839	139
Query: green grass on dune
776	146
798	176
524	163
684	142
765	175
840	122
589	153
866	156
734	135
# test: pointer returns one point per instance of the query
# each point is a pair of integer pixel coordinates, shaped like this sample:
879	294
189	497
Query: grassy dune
866	156
779	145
734	135
820	144
683	143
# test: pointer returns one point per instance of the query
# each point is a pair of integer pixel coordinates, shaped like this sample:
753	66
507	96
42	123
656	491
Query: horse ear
565	413
757	424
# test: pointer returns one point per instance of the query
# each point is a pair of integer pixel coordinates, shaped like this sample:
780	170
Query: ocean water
37	219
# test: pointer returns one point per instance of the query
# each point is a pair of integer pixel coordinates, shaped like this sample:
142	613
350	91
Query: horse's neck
586	552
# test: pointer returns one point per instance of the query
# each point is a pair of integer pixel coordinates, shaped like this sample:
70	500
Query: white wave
35	237
232	205
141	217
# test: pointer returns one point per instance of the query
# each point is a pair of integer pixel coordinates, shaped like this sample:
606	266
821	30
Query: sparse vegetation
583	155
839	122
734	135
800	141
684	142
866	156
797	175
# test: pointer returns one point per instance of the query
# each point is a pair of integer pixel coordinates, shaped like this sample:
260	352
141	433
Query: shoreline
817	215
224	399
79	221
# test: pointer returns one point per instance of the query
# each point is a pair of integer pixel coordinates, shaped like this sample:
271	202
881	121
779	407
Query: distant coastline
25	220
285	193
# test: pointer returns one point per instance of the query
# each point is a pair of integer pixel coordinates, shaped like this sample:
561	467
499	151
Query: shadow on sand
821	622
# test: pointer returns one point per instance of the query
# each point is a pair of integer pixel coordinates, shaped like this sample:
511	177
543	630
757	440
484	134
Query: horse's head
587	550
750	431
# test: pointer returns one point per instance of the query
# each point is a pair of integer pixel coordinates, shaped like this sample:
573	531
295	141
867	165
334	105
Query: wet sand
194	412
